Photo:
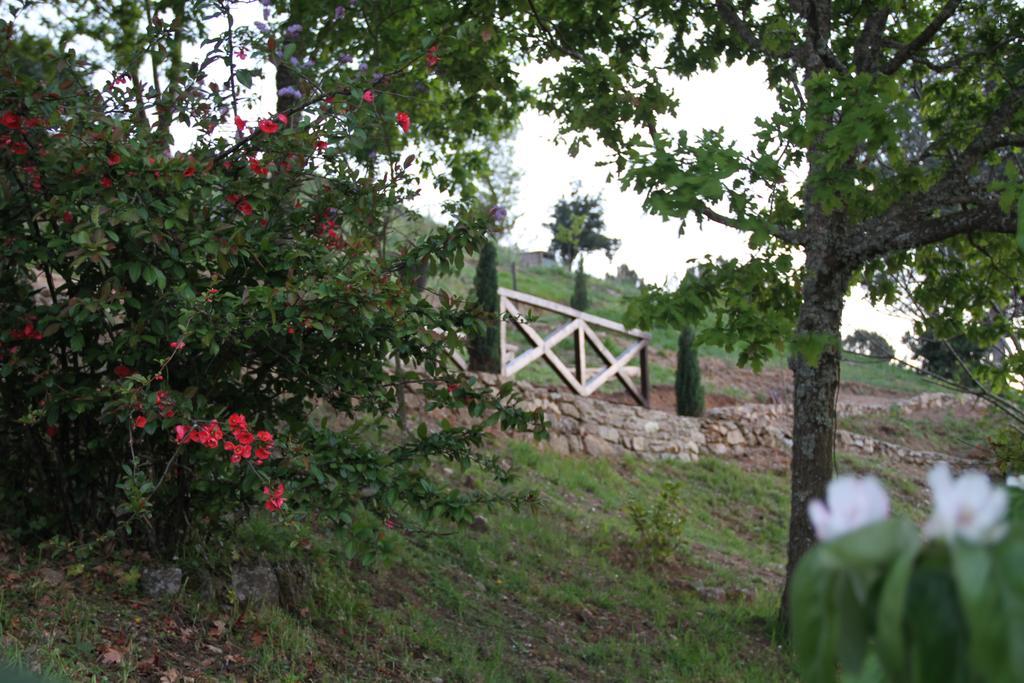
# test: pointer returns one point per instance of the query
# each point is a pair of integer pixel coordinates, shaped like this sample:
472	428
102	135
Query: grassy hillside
567	591
608	299
560	593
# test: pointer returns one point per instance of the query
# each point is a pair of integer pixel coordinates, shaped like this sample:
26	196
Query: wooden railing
580	327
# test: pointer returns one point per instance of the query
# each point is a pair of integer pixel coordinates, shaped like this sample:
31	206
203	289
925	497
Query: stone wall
602	428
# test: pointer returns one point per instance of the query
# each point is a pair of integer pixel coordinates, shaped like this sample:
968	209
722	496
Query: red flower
68	217
265	436
19	148
10	119
177	345
189	172
275	497
52	431
403	121
239	122
283	119
114	159
431	57
321	145
245	207
106	182
140	422
368	96
237	421
257	167
268	126
123	371
262	453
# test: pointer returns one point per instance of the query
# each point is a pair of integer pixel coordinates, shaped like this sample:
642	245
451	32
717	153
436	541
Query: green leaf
892	604
876	545
814	633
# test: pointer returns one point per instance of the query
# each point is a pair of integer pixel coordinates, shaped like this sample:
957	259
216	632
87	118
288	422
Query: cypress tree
579	290
689	392
484	354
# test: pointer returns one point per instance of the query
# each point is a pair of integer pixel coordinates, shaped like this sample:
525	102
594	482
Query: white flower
969	507
850	503
1015	481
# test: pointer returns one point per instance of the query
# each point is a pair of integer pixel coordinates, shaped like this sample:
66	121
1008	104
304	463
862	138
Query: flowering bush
885	602
171	264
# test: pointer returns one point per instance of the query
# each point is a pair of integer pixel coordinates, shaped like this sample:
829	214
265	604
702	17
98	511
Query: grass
944	431
561	593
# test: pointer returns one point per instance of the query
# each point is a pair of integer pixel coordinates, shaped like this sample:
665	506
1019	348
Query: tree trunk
815	388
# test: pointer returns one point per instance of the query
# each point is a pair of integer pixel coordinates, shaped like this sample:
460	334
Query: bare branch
906	52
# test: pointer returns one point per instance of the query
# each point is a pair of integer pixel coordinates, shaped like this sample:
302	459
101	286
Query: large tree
838	183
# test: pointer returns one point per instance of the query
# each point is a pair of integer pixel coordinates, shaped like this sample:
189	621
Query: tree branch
865	50
907	51
736	23
552	34
900	231
787	235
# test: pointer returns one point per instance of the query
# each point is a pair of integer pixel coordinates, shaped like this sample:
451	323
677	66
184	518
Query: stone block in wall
570	409
559	443
598	447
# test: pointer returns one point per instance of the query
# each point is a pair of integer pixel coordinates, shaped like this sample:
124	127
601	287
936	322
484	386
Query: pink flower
176	345
268	126
368	96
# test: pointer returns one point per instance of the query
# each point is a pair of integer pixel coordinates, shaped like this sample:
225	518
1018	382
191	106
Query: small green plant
659	525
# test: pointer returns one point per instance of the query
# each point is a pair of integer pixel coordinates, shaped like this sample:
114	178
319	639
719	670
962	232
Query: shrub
869	343
579	290
689	392
484	354
187	336
659	525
